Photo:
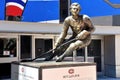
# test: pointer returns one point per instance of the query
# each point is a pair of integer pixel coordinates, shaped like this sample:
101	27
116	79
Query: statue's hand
83	35
57	44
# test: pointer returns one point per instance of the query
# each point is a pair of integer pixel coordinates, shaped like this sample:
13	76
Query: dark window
8	47
64	9
81	52
26	51
42	46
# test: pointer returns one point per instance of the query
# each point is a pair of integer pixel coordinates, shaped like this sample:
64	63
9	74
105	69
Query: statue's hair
75	4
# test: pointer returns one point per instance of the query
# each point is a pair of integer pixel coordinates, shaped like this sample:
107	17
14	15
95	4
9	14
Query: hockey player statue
81	27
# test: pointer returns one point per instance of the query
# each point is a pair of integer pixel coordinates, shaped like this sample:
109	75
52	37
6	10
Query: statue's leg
72	47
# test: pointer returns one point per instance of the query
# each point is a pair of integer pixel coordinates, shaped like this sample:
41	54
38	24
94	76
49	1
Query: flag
15	7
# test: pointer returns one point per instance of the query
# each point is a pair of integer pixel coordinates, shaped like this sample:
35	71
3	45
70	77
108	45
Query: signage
20	72
6	53
48	71
70	73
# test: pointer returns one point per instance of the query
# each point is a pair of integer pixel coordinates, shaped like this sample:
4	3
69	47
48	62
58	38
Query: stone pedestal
53	71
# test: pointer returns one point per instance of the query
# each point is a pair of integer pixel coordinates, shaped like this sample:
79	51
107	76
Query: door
94	53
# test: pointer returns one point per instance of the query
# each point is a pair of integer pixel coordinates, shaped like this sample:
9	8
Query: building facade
36	34
32	40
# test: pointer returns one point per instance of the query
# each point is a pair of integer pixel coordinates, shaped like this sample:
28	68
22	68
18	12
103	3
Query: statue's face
75	10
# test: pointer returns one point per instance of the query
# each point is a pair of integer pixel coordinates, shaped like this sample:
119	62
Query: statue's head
75	8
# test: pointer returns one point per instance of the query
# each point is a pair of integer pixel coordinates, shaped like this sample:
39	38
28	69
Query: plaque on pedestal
53	71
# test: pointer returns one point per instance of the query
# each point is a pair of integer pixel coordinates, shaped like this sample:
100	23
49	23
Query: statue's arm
63	33
90	28
88	23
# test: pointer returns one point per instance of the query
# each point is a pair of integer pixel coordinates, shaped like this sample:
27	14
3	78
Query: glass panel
8	47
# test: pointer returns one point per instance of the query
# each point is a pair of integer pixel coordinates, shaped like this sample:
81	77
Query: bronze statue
82	28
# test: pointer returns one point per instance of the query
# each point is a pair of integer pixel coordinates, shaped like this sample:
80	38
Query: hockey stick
57	48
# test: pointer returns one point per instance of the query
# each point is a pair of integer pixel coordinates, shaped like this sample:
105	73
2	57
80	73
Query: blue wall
42	10
98	7
2	7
